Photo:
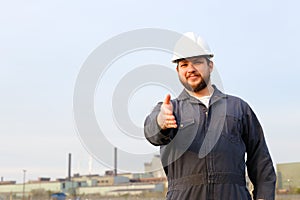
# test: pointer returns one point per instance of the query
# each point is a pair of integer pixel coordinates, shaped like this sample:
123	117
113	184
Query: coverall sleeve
153	132
259	163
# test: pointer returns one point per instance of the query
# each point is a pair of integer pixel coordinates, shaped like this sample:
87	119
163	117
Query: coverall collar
217	95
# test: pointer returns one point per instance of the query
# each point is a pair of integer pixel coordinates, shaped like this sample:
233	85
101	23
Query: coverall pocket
186	134
186	123
232	129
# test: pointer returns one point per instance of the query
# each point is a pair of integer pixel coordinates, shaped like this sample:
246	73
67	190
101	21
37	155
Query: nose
191	68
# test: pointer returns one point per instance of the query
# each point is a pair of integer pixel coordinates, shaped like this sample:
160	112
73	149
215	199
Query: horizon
103	174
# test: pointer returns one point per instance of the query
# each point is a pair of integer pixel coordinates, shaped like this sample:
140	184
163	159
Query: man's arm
259	163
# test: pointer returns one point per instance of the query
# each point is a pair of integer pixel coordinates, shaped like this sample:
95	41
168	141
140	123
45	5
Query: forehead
192	59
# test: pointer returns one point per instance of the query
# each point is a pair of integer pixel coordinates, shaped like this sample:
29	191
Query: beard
200	86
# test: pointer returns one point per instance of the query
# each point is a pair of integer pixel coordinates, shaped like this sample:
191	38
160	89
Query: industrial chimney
115	170
69	167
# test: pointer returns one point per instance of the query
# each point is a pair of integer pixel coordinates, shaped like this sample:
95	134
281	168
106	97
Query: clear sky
43	45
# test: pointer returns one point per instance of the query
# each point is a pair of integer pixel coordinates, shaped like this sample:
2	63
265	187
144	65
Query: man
205	134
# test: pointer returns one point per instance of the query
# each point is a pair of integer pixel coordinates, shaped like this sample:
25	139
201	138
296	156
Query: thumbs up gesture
165	118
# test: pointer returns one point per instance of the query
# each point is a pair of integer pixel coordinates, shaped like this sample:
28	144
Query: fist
165	118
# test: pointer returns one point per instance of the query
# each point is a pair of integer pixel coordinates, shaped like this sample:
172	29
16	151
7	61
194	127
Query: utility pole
24	175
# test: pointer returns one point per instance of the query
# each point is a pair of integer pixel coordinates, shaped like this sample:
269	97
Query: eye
184	65
198	62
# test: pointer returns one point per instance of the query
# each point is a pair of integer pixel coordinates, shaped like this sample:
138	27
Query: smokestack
69	168
115	171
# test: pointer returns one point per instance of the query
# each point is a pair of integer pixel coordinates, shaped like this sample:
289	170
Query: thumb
167	99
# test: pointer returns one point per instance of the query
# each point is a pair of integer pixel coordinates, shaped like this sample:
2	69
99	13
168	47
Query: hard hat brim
180	59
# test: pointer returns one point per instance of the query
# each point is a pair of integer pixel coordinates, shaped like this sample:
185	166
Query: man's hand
165	118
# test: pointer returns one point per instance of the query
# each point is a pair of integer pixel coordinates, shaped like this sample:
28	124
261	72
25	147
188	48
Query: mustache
193	74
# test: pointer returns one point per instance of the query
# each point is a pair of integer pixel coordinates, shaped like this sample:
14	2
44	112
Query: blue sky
43	45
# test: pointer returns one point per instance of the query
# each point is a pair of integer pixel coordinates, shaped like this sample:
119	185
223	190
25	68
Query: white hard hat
189	45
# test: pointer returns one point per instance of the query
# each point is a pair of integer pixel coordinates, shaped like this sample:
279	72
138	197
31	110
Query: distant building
7	182
153	180
86	184
96	180
121	189
155	167
288	176
12	188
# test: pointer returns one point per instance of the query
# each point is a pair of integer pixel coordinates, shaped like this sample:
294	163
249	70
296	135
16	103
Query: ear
211	66
177	68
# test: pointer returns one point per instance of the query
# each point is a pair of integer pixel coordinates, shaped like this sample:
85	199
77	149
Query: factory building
109	184
288	177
